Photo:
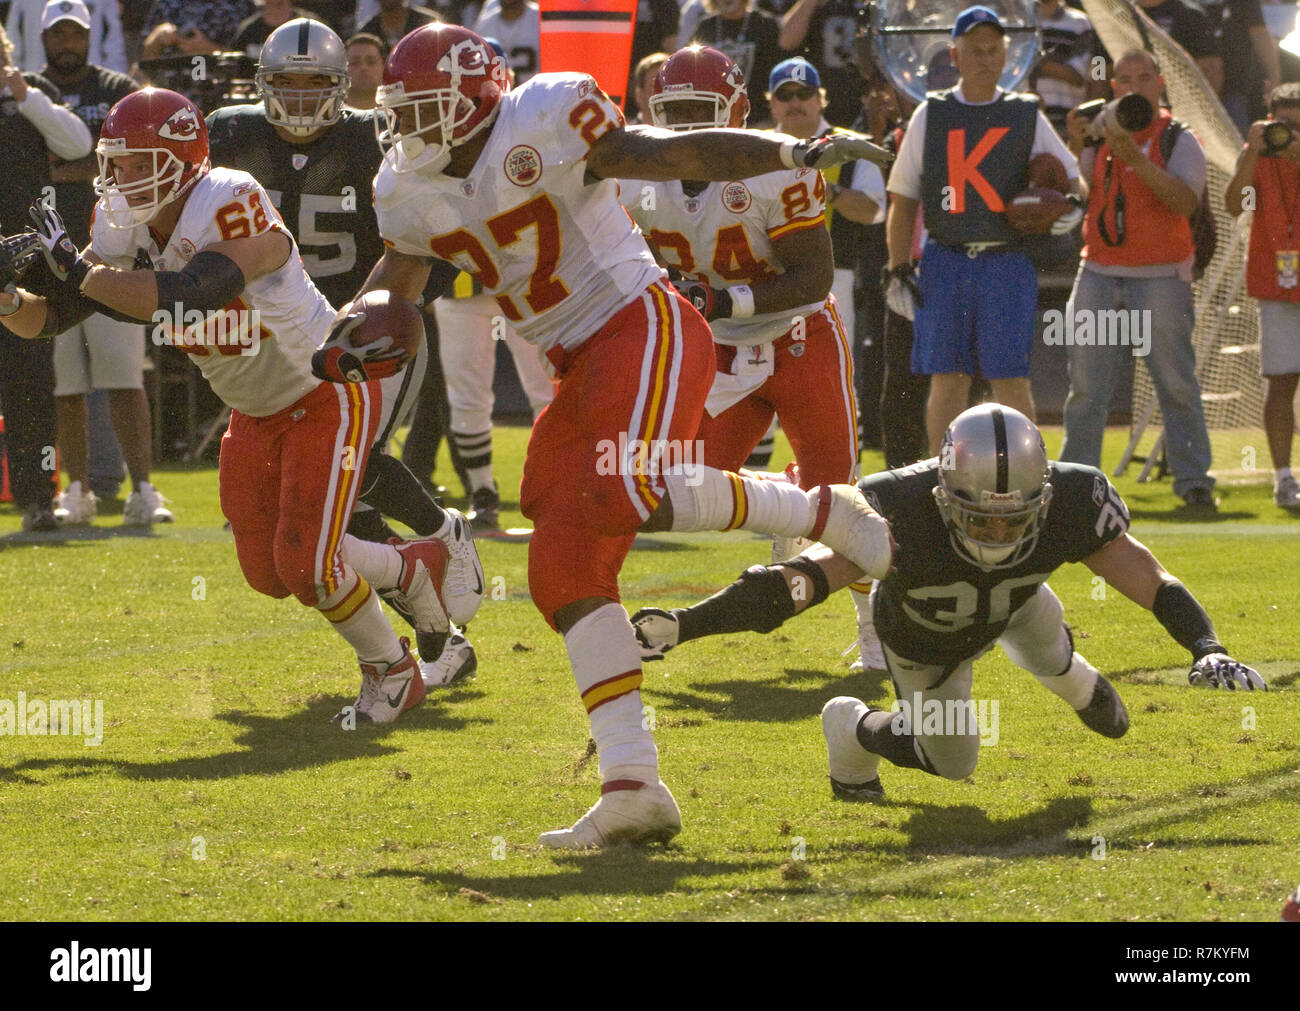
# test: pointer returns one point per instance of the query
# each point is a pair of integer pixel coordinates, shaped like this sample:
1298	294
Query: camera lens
1277	137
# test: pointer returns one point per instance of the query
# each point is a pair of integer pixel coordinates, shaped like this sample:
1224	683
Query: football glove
1066	222
339	362
902	294
1218	670
834	148
711	303
64	261
17	254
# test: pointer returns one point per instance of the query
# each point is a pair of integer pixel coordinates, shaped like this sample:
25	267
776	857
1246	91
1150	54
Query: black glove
711	303
17	254
65	262
339	362
1218	670
836	148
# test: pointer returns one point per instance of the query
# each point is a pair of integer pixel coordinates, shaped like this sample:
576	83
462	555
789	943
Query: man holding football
976	542
518	188
169	231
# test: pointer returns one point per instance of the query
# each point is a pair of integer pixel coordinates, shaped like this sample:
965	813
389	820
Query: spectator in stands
1186	24
751	38
1061	77
1270	175
644	76
397	18
964	155
107	44
823	31
99	353
655	31
252	31
366	55
517	25
193	27
1250	60
33	126
1137	255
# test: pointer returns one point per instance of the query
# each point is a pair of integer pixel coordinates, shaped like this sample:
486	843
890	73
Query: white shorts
1279	337
99	354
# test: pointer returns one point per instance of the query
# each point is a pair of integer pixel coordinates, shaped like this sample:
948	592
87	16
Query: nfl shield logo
299	161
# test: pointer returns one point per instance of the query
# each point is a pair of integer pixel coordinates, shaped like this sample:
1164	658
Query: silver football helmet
303	46
994	485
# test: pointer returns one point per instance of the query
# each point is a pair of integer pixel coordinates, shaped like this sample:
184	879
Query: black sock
878	734
759	601
369	525
392	489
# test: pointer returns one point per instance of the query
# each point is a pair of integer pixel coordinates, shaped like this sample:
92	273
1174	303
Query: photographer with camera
1138	254
1267	181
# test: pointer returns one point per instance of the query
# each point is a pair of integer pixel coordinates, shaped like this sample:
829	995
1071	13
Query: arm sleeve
65	134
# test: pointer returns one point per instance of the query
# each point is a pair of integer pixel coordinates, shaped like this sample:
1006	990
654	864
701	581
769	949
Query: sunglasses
803	93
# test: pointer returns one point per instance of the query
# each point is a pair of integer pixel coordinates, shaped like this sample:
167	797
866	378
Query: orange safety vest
1150	232
1276	226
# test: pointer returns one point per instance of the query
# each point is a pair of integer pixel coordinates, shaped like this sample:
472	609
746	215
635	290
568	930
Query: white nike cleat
854	771
784	548
145	507
463	587
628	811
852	528
871	655
74	506
656	632
457	662
419	589
388	690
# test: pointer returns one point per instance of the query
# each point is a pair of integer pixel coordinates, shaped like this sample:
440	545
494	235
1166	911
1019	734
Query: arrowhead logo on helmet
468	58
182	126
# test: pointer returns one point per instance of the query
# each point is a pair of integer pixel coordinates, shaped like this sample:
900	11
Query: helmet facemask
998	532
120	203
287	107
664	105
434	117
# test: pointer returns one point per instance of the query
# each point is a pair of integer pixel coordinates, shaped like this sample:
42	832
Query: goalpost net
1226	335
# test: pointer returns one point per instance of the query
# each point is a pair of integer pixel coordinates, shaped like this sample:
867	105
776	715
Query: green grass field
221	791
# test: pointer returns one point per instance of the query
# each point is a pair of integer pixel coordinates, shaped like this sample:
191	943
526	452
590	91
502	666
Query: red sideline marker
591	37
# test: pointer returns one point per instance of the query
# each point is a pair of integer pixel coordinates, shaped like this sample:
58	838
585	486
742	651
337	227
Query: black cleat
860	793
1105	713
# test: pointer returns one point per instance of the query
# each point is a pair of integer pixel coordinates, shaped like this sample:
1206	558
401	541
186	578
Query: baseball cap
65	10
496	47
795	69
973	16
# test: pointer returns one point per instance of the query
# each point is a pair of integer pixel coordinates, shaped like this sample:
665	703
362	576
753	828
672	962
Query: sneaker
145	507
485	508
74	507
457	662
854	529
1105	713
388	690
656	632
1287	493
39	520
853	769
462	589
1201	499
419	590
628	811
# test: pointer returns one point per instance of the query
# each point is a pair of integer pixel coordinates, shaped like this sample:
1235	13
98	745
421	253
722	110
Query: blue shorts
980	308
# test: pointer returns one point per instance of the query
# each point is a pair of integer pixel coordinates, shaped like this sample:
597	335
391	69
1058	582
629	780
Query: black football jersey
936	606
322	189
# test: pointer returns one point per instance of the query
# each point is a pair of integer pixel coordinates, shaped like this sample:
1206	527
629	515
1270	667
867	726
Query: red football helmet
442	86
154	122
700	74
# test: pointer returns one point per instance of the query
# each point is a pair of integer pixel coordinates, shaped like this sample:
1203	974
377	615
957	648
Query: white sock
1075	685
378	564
708	499
354	611
480	477
1279	475
607	667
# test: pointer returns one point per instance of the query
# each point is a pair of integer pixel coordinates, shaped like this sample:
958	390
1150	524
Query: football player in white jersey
518	188
203	255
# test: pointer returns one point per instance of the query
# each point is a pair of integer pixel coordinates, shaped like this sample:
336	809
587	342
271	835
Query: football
388	315
1033	211
1046	172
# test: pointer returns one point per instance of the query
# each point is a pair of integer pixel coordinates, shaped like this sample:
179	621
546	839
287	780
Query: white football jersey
520	38
723	236
257	351
559	254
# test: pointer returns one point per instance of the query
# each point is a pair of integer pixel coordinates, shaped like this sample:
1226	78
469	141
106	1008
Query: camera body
1130	113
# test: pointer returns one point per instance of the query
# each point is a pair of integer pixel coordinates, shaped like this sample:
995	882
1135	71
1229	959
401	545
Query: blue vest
974	161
